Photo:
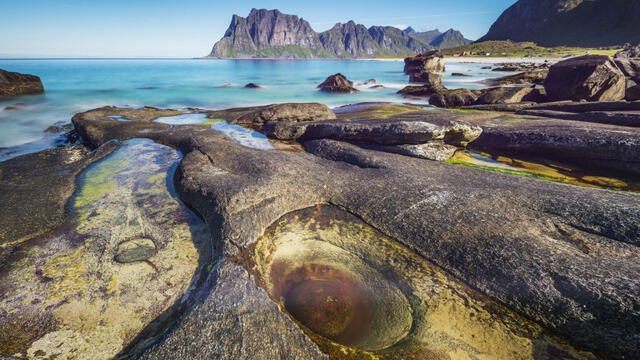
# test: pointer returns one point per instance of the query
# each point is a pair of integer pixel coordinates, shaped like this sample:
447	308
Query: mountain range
587	23
272	34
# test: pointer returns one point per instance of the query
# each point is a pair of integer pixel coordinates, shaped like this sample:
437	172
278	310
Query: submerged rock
337	83
14	84
253	86
89	287
589	77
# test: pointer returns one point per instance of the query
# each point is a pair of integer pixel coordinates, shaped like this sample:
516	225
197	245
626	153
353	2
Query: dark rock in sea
430	61
377	87
429	79
14	84
509	95
446	98
369	82
11	108
589	77
558	255
338	83
459	74
581	23
620	118
253	86
523	78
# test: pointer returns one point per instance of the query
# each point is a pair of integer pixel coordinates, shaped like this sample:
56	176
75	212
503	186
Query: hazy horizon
167	29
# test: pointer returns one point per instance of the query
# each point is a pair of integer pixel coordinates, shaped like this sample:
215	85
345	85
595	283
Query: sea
76	85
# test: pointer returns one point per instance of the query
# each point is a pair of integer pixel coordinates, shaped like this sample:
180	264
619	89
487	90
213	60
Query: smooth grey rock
446	98
589	77
509	95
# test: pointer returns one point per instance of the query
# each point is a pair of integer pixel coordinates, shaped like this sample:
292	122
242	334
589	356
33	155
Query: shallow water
127	253
78	85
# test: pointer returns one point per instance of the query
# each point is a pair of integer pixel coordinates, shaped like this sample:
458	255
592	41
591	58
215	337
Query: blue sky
188	28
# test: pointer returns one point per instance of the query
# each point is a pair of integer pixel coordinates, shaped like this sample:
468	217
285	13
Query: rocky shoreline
546	263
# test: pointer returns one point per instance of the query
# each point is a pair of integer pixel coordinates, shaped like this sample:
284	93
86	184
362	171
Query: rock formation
272	34
589	77
569	22
14	84
430	61
337	83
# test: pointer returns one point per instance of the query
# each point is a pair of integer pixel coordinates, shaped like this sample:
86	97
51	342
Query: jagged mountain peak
271	33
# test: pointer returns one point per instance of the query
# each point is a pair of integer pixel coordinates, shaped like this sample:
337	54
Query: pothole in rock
360	295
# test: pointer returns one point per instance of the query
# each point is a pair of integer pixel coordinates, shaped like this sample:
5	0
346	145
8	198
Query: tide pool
76	85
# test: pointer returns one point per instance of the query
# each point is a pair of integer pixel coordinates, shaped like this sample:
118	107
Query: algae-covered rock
127	253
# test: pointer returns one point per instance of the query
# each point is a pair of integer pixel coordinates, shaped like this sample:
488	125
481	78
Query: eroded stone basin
361	295
124	258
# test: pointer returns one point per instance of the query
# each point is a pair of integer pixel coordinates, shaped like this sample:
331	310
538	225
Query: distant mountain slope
440	40
272	34
584	23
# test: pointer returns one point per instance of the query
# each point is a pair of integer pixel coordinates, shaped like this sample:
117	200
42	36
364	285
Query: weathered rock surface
509	95
523	78
34	189
256	117
419	91
592	145
430	61
14	84
621	118
578	107
427	78
337	83
557	254
589	77
446	98
632	93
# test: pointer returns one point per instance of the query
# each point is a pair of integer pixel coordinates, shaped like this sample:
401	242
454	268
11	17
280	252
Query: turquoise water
78	85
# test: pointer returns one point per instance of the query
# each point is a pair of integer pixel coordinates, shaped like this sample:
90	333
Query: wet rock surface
116	268
564	265
14	84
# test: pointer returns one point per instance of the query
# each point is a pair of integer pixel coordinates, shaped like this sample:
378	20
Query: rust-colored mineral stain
328	302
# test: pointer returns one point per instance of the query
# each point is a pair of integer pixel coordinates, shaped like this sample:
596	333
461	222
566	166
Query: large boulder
523	78
589	77
256	117
430	61
338	83
419	91
428	78
14	84
446	98
509	95
632	93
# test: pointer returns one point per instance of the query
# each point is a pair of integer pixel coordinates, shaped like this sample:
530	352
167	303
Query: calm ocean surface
81	84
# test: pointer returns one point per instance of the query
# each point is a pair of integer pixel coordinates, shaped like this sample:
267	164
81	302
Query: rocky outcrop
509	95
589	77
433	80
419	91
14	84
430	61
446	98
339	84
272	34
564	266
523	78
569	22
621	118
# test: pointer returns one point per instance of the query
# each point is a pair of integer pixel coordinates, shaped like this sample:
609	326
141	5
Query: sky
189	28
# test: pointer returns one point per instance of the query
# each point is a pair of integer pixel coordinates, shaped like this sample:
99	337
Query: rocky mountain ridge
272	34
586	23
